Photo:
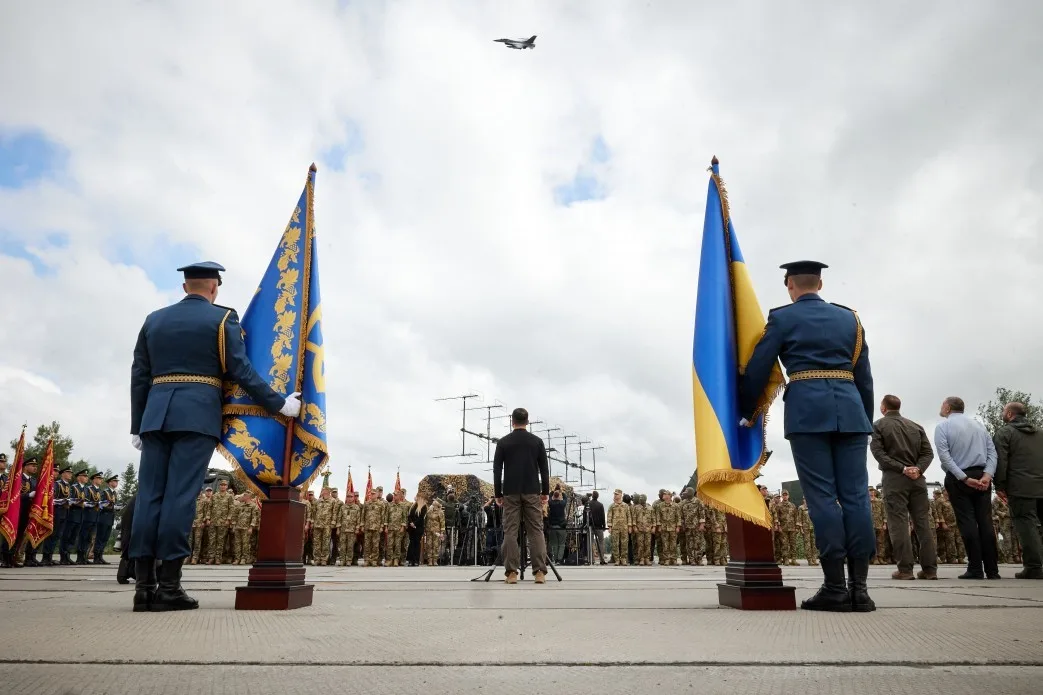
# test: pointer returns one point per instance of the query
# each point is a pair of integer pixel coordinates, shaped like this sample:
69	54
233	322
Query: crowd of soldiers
947	533
84	516
678	529
224	530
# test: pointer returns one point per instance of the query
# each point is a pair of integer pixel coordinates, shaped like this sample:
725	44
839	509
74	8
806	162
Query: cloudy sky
520	224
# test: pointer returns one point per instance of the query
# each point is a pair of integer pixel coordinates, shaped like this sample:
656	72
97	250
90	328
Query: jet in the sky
519	44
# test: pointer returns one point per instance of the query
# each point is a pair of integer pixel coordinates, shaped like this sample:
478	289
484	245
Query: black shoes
833	595
170	596
145	584
1029	574
858	573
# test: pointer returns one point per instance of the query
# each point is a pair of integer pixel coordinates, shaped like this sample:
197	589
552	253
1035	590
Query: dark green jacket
1019	447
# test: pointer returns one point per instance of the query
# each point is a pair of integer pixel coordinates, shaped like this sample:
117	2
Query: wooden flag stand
276	580
753	580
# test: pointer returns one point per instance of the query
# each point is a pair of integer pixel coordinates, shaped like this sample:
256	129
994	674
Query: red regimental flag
41	515
11	498
351	485
369	485
398	483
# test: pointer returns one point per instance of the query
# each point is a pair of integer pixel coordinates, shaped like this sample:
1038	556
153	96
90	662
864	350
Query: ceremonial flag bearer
828	420
183	353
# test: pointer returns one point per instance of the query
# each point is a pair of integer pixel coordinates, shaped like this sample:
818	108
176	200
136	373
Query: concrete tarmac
69	630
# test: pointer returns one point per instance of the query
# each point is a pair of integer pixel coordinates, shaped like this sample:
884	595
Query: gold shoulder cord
858	340
221	340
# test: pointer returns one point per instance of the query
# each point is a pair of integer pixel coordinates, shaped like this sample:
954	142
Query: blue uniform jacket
192	337
61	499
811	334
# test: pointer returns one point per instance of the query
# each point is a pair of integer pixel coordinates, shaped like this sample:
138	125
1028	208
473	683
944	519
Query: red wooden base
753	580
276	580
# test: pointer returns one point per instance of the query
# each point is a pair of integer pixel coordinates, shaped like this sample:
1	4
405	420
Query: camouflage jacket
221	505
202	511
641	517
692	514
374	515
879	517
668	516
435	521
351	518
620	517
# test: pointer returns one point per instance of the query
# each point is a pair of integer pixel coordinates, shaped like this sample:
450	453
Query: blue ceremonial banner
728	325
282	328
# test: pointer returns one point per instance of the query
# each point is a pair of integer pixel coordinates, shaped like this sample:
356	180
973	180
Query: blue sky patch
16	248
159	257
586	185
27	157
336	157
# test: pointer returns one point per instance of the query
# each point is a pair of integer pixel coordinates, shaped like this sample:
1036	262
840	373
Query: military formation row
224	530
84	514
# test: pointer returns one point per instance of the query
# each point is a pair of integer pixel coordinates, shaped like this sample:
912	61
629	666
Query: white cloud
906	154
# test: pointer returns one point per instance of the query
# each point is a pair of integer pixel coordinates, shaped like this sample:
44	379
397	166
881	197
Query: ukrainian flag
728	324
283	331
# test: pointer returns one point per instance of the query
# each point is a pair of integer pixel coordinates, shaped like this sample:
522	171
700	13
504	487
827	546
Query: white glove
135	441
292	406
744	422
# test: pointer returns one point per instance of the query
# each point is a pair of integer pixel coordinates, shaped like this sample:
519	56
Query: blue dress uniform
24	551
183	354
828	420
91	512
61	513
106	520
71	534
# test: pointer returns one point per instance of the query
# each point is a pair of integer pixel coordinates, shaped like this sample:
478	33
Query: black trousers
973	510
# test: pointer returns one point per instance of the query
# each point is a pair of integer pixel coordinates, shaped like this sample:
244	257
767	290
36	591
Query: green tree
991	413
128	484
38	446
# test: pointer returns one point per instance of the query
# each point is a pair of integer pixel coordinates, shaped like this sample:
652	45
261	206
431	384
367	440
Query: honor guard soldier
71	535
62	486
183	354
24	552
106	519
828	420
91	512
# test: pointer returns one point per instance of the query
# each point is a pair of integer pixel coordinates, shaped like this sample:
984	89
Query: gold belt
187	379
822	374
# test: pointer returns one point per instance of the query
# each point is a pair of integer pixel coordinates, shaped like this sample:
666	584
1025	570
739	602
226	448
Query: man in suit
62	483
183	354
828	419
521	485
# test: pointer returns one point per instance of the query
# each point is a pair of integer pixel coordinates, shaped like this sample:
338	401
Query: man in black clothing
521	484
596	515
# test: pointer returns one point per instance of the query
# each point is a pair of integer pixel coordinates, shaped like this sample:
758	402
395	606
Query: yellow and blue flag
728	324
282	327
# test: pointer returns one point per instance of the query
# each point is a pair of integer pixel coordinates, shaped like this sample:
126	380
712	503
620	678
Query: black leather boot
125	572
858	573
64	559
832	596
81	558
48	561
145	584
170	596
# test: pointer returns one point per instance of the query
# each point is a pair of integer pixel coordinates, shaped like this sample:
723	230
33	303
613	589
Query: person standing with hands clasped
521	485
968	458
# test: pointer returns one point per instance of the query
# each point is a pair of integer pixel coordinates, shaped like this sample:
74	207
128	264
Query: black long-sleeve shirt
596	510
520	465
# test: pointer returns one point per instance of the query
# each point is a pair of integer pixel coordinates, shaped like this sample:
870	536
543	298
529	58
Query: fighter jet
520	44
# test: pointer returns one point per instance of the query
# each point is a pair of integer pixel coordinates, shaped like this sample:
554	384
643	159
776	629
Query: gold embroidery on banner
187	379
300	461
285	317
221	341
236	433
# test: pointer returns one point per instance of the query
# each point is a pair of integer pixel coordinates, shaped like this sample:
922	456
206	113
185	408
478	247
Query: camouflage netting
434	485
234	483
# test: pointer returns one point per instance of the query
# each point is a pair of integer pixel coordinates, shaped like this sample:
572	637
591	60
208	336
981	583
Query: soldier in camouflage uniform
434	532
620	522
309	516
199	523
322	527
398	514
694	522
668	524
374	523
787	514
807	533
245	527
1002	526
945	528
682	535
641	522
219	521
334	527
350	528
776	528
876	506
720	537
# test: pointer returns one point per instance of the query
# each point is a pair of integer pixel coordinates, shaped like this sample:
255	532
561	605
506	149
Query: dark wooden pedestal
753	580
276	581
